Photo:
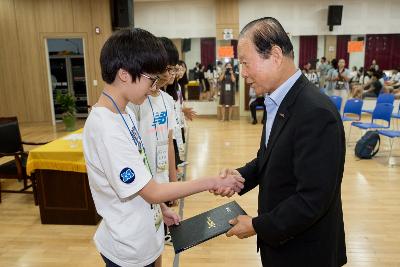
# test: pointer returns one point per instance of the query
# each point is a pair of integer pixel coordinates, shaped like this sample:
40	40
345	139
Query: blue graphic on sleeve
127	175
159	118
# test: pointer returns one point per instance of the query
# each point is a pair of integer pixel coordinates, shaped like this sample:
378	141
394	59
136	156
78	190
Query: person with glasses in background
156	119
174	90
125	193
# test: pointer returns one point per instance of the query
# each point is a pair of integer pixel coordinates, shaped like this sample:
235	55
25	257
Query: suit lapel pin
282	115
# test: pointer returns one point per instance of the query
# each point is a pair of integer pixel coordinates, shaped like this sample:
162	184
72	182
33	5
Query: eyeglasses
153	79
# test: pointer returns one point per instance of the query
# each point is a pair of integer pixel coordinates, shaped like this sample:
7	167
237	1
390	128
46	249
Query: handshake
228	183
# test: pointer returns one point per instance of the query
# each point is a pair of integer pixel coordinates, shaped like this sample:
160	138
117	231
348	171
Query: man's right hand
227	192
227	186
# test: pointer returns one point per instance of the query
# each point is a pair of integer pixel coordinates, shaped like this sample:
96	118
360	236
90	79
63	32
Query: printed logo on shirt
160	118
127	175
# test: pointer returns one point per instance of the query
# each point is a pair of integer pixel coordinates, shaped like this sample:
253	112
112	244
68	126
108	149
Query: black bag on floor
368	145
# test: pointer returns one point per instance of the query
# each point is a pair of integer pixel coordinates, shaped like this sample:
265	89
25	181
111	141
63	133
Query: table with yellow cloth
63	188
63	154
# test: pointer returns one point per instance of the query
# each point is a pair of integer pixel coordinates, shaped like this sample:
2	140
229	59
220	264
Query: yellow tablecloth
63	154
193	83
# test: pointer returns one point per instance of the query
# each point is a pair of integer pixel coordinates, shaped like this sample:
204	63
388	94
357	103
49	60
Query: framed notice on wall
225	51
355	46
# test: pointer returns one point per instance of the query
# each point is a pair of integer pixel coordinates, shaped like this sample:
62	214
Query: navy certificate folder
202	227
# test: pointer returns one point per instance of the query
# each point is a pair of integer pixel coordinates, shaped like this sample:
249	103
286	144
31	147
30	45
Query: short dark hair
324	58
334	63
173	55
265	33
134	50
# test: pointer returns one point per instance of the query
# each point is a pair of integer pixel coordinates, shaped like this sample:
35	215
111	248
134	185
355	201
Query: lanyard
152	110
134	133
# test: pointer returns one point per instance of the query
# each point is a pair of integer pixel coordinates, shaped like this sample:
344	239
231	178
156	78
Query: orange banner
225	51
355	46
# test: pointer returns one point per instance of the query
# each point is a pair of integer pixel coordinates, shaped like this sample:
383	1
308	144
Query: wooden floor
371	201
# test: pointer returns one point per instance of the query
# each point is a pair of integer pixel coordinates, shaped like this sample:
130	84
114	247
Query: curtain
384	48
341	48
208	55
308	50
234	43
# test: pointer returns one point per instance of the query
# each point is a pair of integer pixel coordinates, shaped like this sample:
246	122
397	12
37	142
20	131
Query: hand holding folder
202	227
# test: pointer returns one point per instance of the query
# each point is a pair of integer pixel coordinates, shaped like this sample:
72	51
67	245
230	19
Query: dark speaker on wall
186	45
334	16
121	13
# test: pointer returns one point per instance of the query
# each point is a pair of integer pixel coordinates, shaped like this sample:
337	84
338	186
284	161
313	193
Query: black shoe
254	122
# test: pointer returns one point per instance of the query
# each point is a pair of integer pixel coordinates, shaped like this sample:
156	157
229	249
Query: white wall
296	48
309	17
357	58
196	18
321	46
194	55
177	19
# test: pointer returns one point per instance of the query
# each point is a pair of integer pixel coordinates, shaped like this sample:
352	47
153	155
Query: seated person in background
306	70
354	76
255	100
374	66
310	74
372	88
394	82
365	76
313	77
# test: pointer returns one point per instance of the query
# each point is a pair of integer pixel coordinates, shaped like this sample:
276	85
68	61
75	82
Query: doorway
67	75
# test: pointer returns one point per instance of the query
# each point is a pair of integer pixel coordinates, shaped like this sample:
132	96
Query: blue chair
397	116
381	112
382	98
337	100
260	108
391	134
257	109
352	106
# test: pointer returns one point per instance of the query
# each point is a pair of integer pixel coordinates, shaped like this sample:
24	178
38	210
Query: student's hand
228	186
170	217
226	192
242	227
189	113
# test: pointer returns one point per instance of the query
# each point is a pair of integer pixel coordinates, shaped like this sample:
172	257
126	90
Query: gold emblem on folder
210	223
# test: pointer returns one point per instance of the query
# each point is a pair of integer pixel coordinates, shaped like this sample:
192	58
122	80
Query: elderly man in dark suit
299	165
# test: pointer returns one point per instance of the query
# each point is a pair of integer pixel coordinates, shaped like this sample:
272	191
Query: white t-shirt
156	117
131	233
396	78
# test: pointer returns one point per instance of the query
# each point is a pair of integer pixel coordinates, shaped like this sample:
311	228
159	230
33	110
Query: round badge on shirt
127	175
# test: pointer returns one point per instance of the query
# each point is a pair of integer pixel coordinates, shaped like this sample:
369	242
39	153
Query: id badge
227	87
157	214
162	156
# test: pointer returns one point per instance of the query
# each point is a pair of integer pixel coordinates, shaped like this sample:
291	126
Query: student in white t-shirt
156	122
125	194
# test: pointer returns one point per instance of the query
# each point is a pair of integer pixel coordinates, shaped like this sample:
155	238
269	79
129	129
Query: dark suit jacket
299	174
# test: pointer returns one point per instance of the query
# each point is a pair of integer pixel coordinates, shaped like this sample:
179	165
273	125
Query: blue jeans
112	264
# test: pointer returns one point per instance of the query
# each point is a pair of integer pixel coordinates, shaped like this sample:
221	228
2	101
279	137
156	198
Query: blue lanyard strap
134	134
152	110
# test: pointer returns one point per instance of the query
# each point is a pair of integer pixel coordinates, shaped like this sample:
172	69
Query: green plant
67	103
